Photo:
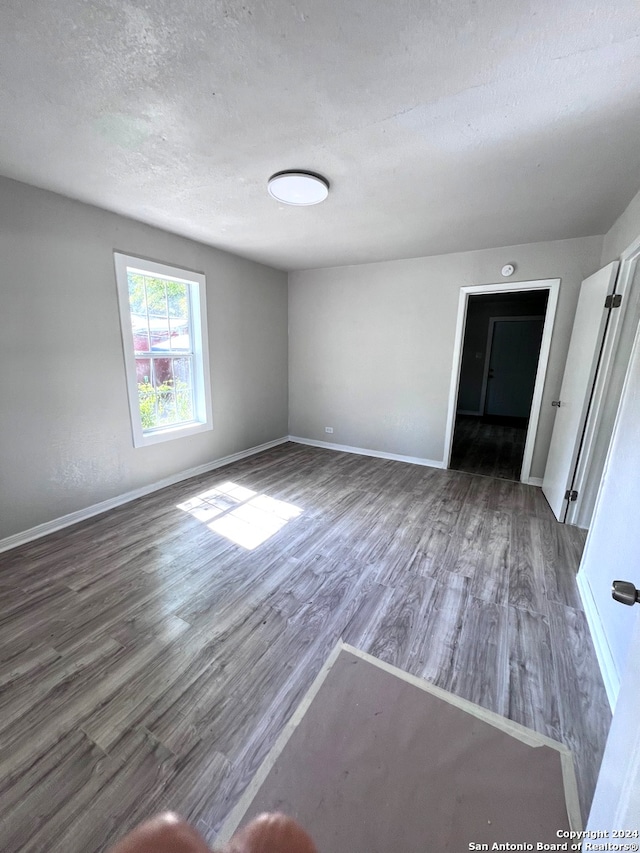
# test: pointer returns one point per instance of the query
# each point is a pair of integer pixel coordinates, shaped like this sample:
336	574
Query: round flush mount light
299	188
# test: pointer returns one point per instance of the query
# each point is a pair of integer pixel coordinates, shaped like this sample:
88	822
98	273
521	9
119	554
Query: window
164	335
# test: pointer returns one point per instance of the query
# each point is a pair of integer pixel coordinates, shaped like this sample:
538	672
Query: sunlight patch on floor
240	514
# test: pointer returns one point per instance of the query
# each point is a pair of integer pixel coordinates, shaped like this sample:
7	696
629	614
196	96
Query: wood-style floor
491	449
149	662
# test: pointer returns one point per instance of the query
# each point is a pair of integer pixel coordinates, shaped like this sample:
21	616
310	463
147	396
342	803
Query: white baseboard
608	668
88	512
365	451
534	481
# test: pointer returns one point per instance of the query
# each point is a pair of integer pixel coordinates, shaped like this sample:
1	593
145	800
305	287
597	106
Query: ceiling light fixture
299	188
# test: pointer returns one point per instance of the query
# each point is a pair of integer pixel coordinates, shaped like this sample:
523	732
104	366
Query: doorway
500	359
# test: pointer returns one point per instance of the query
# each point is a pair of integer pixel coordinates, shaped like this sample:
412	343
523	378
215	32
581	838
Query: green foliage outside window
173	406
158	295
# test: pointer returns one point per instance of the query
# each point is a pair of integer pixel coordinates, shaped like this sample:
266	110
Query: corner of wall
623	232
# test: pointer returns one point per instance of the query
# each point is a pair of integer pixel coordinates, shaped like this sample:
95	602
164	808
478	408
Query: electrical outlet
328	429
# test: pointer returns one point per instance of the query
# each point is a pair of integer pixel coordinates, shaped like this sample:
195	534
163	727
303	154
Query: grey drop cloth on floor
378	765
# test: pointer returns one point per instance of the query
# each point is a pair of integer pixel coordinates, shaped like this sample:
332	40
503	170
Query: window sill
143	439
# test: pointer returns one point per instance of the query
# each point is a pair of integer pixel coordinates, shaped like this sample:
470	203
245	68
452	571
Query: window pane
159	334
182	371
162	371
165	391
138	306
137	298
158	318
143	370
183	380
178	299
184	406
165	398
156	296
178	302
180	339
140	333
146	393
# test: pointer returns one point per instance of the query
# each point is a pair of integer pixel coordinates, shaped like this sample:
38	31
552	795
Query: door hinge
613	300
571	495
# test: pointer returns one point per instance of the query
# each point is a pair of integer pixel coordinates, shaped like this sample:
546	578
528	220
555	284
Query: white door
579	374
515	348
613	552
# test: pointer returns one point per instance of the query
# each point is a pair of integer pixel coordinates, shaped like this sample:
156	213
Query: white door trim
553	286
487	354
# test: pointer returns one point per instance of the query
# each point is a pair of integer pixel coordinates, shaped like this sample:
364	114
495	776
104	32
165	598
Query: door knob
625	592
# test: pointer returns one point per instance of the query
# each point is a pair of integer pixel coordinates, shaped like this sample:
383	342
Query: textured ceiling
442	126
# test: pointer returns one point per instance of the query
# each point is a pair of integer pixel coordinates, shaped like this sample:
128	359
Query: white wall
371	346
64	422
623	232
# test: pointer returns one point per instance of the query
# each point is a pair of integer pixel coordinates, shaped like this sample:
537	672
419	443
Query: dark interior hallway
491	446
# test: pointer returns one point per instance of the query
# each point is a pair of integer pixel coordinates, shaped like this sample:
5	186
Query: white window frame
203	420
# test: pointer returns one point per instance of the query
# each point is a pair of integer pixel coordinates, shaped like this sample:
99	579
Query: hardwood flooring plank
394	560
398	627
134	790
297	587
40	782
490	581
436	535
527	587
480	493
434	651
561	551
70	701
165	593
34	618
360	629
465	551
519	499
31	702
173	720
195	779
138	693
21	664
145	694
140	779
533	686
480	669
584	711
144	626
